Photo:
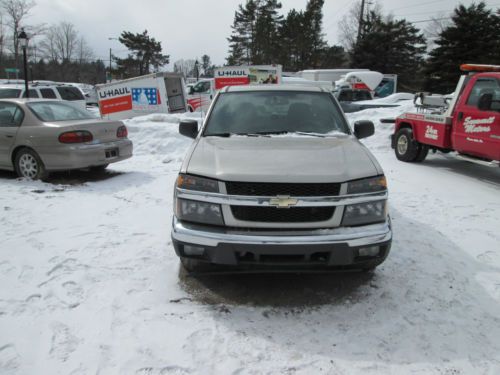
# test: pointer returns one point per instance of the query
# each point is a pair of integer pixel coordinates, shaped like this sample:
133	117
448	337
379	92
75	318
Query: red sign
231	81
119	104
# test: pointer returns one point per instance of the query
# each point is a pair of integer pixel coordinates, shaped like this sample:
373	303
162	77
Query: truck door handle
460	115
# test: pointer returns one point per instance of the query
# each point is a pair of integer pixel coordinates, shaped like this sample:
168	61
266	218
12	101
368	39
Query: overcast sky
191	28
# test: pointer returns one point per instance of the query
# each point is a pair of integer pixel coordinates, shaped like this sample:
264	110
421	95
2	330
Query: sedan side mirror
189	128
363	129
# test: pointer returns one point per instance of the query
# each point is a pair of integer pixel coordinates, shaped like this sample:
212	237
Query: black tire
29	165
406	148
192	265
422	153
99	168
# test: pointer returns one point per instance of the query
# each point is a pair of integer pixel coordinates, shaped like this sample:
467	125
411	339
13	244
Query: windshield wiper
313	134
226	135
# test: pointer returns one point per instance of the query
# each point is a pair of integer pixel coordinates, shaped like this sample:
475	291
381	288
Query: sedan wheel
29	165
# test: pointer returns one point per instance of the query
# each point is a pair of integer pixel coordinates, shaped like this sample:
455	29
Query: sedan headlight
199	212
367	185
365	213
188	182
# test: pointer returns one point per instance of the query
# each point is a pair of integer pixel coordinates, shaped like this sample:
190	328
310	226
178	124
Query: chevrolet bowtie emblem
282	201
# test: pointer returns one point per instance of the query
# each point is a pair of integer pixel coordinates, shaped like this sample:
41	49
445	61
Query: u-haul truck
152	93
201	94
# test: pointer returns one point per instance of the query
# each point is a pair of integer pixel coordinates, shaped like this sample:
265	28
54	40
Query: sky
191	28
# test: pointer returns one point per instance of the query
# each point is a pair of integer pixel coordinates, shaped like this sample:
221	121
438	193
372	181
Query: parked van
44	91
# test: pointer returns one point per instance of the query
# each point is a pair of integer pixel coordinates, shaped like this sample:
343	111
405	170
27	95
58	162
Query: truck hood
281	159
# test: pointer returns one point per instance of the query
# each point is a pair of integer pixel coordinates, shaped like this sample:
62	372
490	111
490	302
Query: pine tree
391	46
242	39
146	53
266	47
471	38
313	20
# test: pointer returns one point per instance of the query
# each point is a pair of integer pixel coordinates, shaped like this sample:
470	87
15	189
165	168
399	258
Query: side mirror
363	129
189	128
191	91
484	103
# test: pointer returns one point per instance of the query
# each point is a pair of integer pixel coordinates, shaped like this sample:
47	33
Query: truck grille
272	189
282	215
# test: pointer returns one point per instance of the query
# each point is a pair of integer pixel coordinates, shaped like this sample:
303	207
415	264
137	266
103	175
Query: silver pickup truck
276	177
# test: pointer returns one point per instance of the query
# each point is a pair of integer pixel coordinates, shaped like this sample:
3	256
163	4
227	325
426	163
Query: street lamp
23	40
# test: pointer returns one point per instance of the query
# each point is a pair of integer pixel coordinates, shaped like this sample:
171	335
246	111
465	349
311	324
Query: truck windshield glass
57	111
275	112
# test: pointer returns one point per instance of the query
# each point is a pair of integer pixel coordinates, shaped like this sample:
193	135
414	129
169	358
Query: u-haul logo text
110	93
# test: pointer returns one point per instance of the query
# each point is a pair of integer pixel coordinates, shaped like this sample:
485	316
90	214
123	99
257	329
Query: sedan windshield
58	111
275	112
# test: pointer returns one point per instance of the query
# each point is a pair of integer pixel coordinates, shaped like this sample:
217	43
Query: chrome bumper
353	237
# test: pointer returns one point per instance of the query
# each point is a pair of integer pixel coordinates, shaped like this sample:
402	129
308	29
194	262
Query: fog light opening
371	251
193	250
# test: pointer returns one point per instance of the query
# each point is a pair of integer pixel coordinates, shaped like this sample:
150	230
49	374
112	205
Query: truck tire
406	148
29	165
422	153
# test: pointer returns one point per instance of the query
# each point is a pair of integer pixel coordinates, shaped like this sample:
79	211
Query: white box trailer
152	93
202	93
331	75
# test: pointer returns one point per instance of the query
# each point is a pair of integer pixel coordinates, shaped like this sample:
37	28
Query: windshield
275	112
57	111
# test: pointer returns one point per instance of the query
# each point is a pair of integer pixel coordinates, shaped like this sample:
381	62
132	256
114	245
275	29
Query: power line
418	5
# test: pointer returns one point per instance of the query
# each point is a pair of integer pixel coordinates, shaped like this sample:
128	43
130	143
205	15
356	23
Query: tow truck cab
469	123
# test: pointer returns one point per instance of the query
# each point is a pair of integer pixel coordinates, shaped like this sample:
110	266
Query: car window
70	93
33	93
10	115
9	93
58	111
485	86
275	111
48	94
202	87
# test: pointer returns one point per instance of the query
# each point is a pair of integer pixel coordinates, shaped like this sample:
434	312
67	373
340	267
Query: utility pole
361	20
110	58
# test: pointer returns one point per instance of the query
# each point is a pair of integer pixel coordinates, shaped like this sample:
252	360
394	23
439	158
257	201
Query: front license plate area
111	153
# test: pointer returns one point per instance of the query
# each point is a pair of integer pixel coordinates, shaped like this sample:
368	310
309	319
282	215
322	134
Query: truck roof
272	87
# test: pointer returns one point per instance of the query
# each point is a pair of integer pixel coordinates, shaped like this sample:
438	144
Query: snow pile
91	284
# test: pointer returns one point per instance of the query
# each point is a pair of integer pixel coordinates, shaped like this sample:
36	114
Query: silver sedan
39	136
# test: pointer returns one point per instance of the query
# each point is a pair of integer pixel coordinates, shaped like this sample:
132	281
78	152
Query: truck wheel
406	148
422	153
29	165
192	265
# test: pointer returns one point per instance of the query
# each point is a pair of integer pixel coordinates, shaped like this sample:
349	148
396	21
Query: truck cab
468	124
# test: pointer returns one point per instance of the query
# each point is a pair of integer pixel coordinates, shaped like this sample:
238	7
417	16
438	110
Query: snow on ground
91	284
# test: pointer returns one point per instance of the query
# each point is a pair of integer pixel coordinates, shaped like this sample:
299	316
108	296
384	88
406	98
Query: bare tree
83	52
434	28
62	42
349	24
16	11
185	66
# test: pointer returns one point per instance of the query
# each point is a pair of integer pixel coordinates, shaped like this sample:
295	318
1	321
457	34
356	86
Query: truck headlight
199	212
367	185
364	213
188	182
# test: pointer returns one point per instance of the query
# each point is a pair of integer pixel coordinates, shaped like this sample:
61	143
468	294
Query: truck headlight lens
367	185
364	213
185	181
199	212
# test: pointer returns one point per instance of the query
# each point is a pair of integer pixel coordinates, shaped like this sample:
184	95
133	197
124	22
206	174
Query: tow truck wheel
422	153
407	149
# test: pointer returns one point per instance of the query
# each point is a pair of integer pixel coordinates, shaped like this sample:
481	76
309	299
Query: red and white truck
467	123
201	94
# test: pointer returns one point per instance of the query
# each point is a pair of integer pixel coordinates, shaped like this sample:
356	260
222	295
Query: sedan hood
296	159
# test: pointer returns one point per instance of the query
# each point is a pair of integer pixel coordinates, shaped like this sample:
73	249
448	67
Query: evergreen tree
268	20
471	38
313	20
146	53
242	39
391	46
293	41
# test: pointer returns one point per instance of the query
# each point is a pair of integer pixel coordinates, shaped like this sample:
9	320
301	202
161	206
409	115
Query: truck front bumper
359	247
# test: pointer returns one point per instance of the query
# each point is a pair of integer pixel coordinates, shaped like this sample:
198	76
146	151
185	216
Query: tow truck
466	122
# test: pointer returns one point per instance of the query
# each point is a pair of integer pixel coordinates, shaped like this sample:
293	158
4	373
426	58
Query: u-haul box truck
201	94
152	93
